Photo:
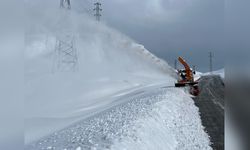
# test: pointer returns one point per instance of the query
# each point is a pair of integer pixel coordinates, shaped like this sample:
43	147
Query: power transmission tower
65	4
97	10
66	54
65	50
211	62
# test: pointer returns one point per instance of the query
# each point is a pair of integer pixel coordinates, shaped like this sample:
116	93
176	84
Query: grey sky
172	28
188	28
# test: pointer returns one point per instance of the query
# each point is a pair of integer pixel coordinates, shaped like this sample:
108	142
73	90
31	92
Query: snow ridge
154	120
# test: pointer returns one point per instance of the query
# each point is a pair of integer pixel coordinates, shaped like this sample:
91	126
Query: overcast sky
188	28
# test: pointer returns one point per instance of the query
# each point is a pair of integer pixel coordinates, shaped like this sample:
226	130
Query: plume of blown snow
108	62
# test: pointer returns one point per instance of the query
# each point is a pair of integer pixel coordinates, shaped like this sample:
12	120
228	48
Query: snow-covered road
156	117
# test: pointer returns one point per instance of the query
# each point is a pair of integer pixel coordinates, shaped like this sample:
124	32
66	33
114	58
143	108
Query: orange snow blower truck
186	78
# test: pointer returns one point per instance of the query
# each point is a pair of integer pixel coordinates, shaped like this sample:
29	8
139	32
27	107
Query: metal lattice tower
211	62
65	50
97	10
67	60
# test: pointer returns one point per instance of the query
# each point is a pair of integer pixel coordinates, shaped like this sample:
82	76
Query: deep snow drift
154	118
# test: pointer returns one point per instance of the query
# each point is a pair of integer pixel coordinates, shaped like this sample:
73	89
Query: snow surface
111	67
152	118
197	75
220	72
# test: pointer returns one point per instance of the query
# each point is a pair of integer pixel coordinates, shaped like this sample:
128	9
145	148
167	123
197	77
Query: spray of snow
109	62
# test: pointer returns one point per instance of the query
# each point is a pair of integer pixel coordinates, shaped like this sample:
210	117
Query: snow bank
109	62
150	118
173	123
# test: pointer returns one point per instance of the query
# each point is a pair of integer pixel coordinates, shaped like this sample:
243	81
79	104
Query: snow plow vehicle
186	78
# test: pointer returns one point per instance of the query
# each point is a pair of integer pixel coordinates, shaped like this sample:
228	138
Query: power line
97	10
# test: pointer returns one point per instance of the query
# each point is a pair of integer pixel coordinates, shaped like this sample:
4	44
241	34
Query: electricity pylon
97	10
67	60
65	50
211	62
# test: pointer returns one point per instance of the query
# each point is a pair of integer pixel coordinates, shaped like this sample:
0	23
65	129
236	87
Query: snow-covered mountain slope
220	72
109	63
